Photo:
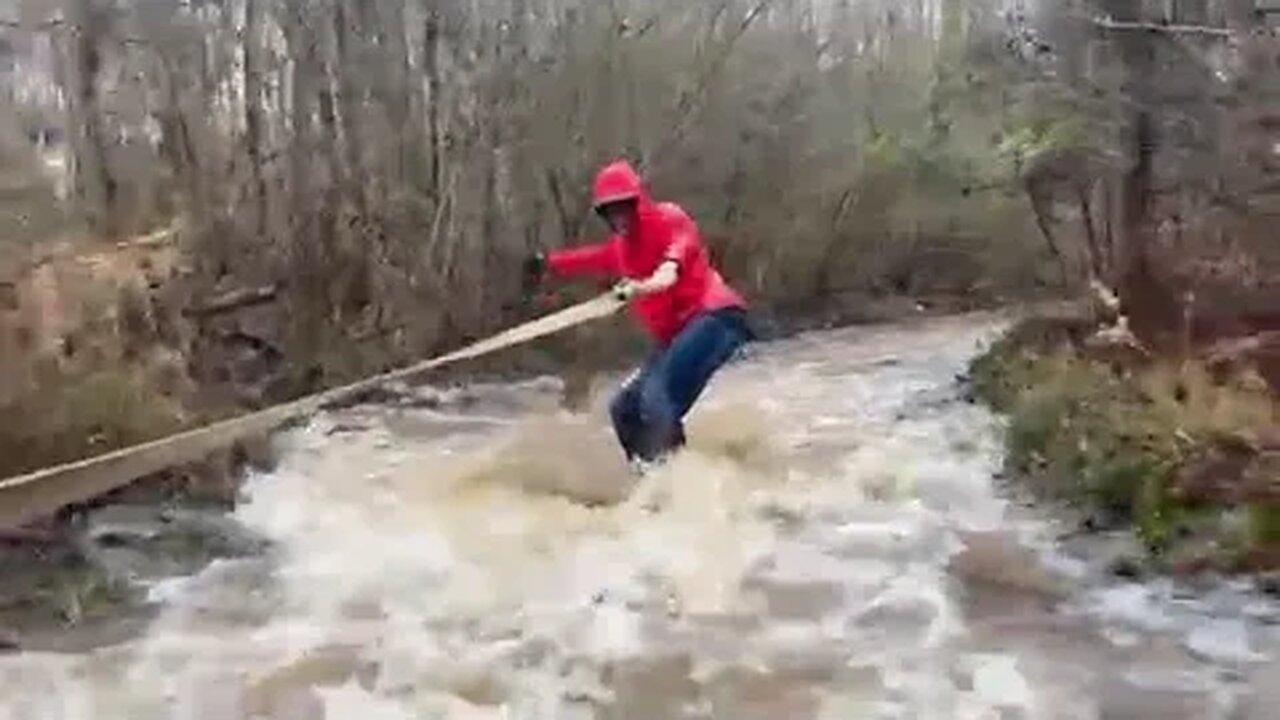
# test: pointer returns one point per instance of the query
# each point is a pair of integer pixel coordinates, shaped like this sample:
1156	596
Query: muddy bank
1183	453
83	579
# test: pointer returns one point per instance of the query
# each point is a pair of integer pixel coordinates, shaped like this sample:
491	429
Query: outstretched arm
597	259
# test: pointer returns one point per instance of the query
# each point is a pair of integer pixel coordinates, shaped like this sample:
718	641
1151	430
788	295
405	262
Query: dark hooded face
621	216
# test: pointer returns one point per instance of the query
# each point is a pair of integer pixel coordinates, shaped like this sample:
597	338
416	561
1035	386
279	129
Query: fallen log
233	300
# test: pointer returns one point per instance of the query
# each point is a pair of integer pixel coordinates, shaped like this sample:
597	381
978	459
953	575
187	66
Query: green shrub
1114	442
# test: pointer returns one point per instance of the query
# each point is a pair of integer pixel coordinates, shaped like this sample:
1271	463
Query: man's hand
535	266
625	289
661	279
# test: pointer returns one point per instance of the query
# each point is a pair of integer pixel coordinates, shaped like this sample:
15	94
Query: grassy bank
1184	456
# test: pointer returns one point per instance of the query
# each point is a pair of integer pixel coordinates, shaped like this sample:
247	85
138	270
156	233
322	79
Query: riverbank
1185	453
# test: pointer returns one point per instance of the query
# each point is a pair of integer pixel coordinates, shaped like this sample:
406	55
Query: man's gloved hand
535	268
625	289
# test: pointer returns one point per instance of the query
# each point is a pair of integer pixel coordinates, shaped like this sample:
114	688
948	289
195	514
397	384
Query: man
696	320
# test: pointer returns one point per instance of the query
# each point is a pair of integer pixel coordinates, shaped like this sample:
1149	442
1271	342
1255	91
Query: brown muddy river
833	545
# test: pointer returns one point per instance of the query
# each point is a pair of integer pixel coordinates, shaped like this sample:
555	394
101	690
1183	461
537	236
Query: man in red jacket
696	320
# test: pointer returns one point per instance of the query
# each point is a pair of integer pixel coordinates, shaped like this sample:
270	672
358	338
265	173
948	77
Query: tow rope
38	494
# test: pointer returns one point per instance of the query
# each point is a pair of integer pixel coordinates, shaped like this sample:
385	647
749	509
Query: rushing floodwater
832	546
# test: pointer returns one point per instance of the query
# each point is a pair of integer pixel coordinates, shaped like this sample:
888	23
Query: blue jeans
648	412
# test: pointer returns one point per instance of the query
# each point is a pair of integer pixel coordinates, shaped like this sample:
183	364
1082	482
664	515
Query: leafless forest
275	195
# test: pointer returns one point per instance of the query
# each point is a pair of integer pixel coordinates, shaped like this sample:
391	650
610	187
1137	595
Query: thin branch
234	300
1109	24
44	26
55	24
685	103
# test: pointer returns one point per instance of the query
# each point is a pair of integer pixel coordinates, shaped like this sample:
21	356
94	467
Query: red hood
618	181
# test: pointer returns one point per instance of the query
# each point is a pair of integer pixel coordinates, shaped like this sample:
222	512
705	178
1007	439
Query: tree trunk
253	99
1151	309
178	144
394	91
1093	245
1042	207
94	180
349	39
435	139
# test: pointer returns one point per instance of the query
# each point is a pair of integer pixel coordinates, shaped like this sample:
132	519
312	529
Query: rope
37	494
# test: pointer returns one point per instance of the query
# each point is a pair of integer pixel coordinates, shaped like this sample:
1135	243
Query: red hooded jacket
664	232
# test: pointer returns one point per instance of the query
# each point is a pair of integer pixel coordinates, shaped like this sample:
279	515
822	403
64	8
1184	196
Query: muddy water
833	545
